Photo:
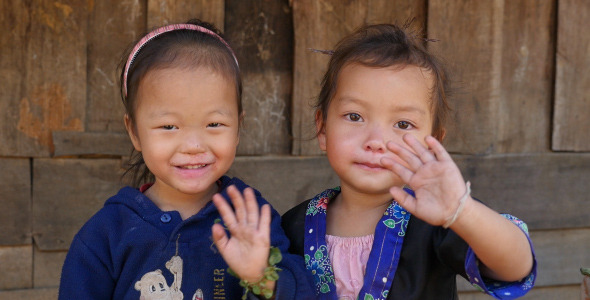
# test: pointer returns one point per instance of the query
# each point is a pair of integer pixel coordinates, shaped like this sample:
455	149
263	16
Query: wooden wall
521	132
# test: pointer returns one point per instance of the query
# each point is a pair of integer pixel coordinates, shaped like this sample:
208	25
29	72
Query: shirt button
165	218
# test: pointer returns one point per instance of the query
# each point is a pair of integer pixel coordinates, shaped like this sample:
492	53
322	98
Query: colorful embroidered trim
164	29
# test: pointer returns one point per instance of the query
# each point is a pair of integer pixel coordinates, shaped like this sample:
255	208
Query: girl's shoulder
293	223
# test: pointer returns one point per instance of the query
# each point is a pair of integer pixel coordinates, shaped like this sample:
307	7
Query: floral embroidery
320	202
321	269
400	216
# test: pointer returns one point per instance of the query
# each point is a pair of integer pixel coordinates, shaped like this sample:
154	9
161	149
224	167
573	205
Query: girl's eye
169	127
404	125
354	117
214	124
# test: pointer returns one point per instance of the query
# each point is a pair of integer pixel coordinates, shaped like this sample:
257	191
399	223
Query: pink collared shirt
349	256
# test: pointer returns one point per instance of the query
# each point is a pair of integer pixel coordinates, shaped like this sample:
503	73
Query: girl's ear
320	129
131	132
441	135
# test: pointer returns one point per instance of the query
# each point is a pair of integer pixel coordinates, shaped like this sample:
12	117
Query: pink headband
165	29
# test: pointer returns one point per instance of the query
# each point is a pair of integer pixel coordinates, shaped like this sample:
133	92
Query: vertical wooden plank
398	12
53	101
17	267
320	25
177	11
263	43
572	97
14	18
15	188
112	27
502	54
60	208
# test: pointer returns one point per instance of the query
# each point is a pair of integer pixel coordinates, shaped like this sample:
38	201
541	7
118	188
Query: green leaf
318	255
267	293
274	256
389	223
232	273
324	288
256	289
585	271
369	297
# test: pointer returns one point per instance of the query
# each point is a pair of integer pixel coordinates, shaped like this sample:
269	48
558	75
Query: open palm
432	174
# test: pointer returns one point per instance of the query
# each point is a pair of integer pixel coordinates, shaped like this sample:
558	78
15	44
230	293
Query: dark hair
181	48
386	45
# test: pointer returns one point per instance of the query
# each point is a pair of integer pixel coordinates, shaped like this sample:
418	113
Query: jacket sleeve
84	275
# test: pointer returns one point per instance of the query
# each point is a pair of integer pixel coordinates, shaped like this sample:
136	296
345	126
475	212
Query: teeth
193	167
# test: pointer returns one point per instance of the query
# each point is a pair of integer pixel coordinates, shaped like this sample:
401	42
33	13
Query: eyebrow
402	108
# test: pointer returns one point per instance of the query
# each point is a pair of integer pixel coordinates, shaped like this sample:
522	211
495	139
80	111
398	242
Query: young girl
380	119
181	88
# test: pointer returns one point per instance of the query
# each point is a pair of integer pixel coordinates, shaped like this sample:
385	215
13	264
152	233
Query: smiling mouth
193	167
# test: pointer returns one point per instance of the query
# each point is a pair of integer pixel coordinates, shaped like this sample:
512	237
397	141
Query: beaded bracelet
271	273
450	220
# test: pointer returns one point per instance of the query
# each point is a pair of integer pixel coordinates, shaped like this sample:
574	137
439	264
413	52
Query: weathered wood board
30	294
558	264
112	28
572	96
47	267
261	34
501	55
320	25
66	193
15	200
56	45
544	293
162	12
547	191
83	143
17	267
14	18
285	181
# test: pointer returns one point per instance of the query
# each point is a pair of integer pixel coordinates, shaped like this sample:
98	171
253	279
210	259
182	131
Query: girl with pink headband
166	237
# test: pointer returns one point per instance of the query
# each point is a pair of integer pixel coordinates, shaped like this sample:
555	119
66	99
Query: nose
375	140
192	142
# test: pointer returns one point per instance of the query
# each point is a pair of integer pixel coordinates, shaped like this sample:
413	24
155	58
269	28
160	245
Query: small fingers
423	153
404	173
251	207
437	148
265	219
226	212
219	237
406	155
238	202
404	199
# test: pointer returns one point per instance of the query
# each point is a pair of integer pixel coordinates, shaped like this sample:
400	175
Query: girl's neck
187	205
355	214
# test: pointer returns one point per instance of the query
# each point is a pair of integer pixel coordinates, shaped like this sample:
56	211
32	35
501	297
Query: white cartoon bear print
153	285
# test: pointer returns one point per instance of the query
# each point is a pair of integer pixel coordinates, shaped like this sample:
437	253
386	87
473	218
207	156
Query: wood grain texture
46	266
501	53
67	192
17	267
537	293
560	254
15	200
14	18
285	181
572	100
113	26
261	34
547	191
84	143
162	12
30	294
320	25
55	83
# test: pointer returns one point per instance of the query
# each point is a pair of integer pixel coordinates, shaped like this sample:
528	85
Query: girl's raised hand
432	174
246	251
